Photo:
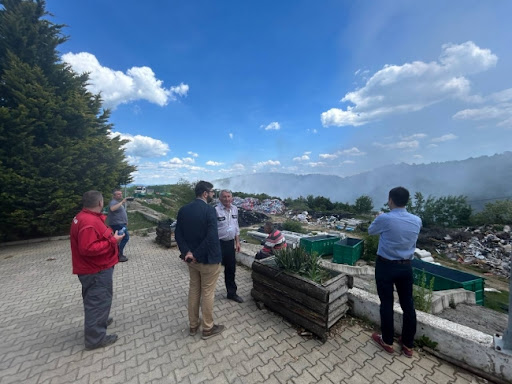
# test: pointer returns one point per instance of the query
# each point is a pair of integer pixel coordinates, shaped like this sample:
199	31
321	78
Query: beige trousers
203	280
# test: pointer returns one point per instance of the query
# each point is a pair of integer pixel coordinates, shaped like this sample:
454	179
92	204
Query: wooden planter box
316	307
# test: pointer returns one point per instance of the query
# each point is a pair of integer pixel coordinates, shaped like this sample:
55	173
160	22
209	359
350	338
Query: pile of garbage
165	233
247	218
484	247
332	221
268	206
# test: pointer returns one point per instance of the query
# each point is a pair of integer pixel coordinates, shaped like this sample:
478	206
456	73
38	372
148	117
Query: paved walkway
41	331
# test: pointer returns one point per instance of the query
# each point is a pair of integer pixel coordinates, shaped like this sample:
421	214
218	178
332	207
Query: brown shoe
406	351
214	331
193	331
378	339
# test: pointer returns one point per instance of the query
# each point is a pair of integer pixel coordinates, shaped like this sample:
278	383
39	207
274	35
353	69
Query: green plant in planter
302	263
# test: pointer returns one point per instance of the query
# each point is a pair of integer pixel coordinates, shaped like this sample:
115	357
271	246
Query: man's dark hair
400	196
201	187
90	199
117	190
269	225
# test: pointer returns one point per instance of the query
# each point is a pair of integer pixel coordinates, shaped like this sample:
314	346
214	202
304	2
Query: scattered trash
51	259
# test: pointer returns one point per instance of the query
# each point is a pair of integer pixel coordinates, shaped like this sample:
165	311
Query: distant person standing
118	218
229	236
94	250
398	232
198	241
274	241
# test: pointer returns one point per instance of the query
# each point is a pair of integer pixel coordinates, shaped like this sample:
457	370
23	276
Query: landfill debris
247	218
268	206
335	221
484	247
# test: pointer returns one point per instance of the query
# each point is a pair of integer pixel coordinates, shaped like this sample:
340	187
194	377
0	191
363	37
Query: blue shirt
398	232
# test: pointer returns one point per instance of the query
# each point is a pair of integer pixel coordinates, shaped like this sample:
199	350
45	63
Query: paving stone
41	328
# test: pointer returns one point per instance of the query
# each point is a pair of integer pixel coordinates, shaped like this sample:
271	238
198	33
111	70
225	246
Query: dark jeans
229	262
97	296
399	275
125	238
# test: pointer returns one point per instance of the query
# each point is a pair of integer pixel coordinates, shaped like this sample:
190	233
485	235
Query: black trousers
97	296
229	262
400	275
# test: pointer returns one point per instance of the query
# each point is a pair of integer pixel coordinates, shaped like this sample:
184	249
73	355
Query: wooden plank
293	294
338	315
292	306
319	330
294	281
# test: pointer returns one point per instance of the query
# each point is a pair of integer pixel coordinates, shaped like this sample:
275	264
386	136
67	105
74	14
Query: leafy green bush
302	263
422	294
293	226
371	244
498	212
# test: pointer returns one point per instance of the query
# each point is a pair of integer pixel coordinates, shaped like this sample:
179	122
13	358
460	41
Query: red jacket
93	246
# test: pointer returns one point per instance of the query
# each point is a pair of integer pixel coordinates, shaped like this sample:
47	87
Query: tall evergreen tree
54	134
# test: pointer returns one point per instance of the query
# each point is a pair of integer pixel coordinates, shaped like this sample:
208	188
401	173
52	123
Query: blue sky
213	89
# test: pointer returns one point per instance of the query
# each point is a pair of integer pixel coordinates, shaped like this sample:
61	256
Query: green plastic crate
321	244
448	278
347	251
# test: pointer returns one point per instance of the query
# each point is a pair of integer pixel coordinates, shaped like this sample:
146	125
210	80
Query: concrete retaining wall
461	343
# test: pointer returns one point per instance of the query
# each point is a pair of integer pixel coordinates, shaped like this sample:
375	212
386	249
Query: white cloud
268	163
412	144
447	137
188	160
175	160
238	167
193	154
142	146
417	157
116	87
180	90
499	110
273	126
352	152
432	146
316	164
304	157
213	163
348	162
414	137
413	86
328	156
231	136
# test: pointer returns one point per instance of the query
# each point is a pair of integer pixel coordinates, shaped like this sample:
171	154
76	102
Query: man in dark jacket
198	241
94	250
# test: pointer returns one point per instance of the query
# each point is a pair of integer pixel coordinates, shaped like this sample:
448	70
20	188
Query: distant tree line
363	204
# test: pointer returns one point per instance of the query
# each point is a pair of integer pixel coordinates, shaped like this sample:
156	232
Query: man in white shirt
229	236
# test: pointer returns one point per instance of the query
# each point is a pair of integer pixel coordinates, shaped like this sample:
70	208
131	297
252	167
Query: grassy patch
497	301
137	221
248	238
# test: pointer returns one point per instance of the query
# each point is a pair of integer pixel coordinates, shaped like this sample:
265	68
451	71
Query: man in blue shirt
398	230
198	241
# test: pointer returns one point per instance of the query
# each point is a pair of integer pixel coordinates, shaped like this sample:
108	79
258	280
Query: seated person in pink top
274	241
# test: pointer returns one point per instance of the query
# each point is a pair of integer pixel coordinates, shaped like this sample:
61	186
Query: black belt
384	260
227	241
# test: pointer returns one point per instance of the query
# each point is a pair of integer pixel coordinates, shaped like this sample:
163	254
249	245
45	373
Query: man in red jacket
94	253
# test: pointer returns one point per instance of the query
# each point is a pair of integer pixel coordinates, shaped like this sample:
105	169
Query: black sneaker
122	259
109	339
214	331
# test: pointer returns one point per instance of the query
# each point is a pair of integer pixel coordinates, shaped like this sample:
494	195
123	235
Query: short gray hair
90	199
225	190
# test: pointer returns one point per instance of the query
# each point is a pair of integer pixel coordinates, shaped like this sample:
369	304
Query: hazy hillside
480	179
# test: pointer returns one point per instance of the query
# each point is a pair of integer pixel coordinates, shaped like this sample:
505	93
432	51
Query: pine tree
54	134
